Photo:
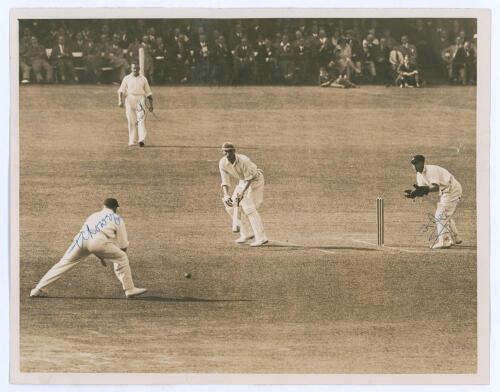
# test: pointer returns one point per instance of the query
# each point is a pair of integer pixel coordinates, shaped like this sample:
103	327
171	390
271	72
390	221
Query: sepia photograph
267	194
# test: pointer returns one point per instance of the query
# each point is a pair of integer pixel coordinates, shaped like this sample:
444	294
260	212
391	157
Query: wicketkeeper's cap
417	158
111	203
227	146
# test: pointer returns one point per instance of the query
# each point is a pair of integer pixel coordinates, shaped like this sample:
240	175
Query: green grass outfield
321	298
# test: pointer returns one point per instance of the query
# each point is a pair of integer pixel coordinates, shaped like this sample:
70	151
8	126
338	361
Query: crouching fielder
432	178
249	192
104	235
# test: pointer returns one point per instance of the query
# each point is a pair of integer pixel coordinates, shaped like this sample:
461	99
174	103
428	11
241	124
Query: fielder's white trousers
135	109
446	229
100	246
251	222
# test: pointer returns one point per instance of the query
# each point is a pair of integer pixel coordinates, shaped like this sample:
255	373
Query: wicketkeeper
432	178
249	192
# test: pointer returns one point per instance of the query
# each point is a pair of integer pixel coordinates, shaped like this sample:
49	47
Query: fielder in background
104	235
249	193
432	178
135	88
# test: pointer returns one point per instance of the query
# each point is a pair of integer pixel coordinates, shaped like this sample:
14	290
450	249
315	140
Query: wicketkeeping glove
419	191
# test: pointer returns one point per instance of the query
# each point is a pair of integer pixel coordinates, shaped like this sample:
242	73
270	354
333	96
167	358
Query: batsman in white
135	88
432	178
104	235
249	191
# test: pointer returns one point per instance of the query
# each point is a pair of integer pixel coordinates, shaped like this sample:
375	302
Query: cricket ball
187	275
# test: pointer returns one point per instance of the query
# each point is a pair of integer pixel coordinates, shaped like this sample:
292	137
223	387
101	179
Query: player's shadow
329	247
145	297
191	147
157	298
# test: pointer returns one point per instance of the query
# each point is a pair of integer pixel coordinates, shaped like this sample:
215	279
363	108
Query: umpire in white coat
135	88
104	235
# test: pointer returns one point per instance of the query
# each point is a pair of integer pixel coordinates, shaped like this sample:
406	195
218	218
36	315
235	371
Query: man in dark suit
243	62
61	55
222	61
179	52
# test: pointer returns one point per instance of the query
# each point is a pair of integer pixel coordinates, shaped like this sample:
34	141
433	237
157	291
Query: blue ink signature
89	233
431	225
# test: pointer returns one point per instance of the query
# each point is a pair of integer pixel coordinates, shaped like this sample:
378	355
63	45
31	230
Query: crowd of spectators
329	52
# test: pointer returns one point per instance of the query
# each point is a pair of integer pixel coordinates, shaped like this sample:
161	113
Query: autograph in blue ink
432	224
89	233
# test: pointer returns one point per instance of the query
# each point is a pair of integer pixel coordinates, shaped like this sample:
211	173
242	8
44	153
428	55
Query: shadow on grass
145	297
192	147
332	247
157	298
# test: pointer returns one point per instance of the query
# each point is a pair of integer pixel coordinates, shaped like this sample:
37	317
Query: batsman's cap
111	203
228	146
417	158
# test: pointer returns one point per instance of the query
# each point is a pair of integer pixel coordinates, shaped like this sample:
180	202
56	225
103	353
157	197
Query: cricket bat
236	217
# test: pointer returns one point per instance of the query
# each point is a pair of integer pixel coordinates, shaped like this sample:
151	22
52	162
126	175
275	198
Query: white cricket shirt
242	169
135	85
108	223
433	174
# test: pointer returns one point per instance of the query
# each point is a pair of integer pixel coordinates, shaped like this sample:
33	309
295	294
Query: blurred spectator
382	64
160	58
325	79
270	63
222	60
260	59
62	58
179	52
243	63
390	41
325	50
24	61
39	62
124	40
470	63
344	62
270	56
302	56
407	74
422	41
438	47
285	60
460	60
235	36
115	57
203	53
396	58
368	61
342	82
408	49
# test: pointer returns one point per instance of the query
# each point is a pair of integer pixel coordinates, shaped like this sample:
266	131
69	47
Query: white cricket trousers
100	246
446	229
251	222
135	109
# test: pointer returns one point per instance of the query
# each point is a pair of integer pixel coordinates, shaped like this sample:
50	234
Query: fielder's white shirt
110	224
433	174
242	169
135	85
